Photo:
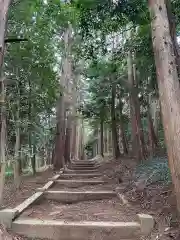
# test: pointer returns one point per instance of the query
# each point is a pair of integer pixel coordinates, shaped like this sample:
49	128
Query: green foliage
154	170
104	31
30	69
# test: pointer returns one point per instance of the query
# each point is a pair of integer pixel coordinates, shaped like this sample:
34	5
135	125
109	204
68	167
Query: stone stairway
70	189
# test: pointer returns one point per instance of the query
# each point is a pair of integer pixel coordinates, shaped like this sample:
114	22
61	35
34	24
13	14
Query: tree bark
30	128
155	113
82	140
74	120
4	7
73	137
116	149
108	140
138	144
2	140
105	139
172	28
102	137
122	132
58	157
134	138
169	88
17	159
67	148
77	139
18	125
153	141
140	134
33	159
124	140
59	161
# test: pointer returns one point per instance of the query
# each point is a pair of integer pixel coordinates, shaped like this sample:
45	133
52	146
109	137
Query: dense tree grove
88	78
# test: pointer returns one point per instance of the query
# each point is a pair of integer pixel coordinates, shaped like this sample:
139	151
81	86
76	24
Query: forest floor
157	200
28	186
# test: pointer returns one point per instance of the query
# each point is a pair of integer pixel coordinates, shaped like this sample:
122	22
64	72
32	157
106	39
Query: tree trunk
108	140
116	149
155	113
122	132
153	141
77	140
2	140
31	146
4	7
67	147
134	138
33	159
19	117
172	27
73	137
17	159
99	141
74	121
138	143
31	150
58	160
102	137
140	134
82	140
124	140
169	88
105	139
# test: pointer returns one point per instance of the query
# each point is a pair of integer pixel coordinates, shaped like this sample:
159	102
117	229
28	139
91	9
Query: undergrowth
154	170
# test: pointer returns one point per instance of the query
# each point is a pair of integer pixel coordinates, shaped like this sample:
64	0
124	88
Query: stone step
78	182
79	175
84	163
64	230
82	167
79	171
73	197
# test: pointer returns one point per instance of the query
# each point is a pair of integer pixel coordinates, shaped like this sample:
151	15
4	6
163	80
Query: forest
81	79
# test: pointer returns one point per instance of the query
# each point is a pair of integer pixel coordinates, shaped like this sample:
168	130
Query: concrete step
64	230
84	163
79	175
73	197
79	171
78	182
82	167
